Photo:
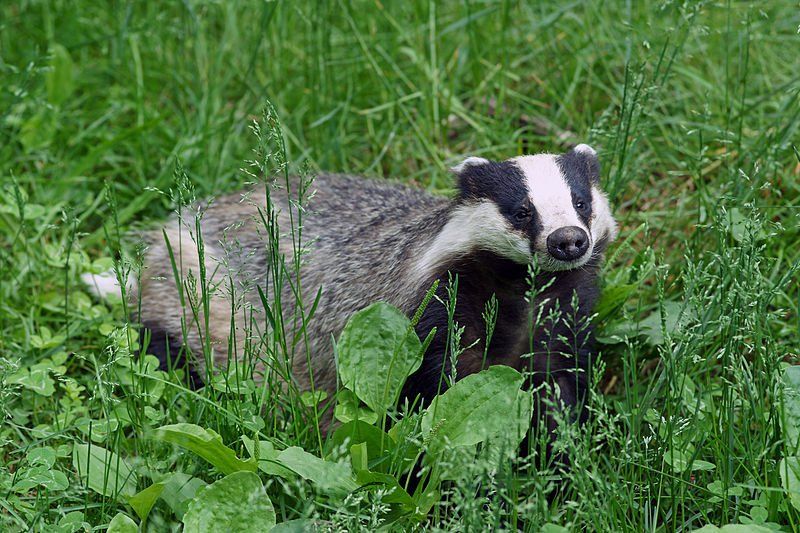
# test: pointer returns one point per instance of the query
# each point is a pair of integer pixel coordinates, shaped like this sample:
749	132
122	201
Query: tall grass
692	106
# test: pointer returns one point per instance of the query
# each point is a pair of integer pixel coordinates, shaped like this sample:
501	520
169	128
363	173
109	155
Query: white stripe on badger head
470	227
106	285
551	196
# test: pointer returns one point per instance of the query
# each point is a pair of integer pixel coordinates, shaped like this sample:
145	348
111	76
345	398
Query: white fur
471	160
585	149
106	285
470	227
603	223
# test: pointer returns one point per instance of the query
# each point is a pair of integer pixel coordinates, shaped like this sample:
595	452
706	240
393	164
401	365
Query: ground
113	112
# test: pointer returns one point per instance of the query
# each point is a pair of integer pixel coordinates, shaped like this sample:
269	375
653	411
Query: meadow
113	115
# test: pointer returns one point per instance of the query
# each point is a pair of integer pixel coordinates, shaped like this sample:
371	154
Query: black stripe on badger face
503	183
580	170
545	205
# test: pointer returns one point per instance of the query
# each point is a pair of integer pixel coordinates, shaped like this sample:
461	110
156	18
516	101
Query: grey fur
362	235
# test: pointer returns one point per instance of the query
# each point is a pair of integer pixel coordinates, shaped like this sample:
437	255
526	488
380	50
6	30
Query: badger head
545	207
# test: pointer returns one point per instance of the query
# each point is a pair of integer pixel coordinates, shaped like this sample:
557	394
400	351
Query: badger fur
378	241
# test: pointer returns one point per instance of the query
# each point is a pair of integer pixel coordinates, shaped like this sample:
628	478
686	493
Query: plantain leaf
479	406
734	528
790	419
236	503
789	469
103	471
330	477
179	490
377	351
207	444
143	501
267	458
60	79
122	523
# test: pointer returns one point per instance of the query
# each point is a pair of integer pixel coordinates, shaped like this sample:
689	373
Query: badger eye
522	215
580	206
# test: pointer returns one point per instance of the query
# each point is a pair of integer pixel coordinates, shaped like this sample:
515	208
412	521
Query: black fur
579	167
501	182
558	352
171	354
580	171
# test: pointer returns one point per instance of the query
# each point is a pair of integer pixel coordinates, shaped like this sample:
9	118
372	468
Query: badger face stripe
470	226
561	200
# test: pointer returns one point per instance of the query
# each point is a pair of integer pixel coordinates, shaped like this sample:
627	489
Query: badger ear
585	149
468	162
583	158
469	176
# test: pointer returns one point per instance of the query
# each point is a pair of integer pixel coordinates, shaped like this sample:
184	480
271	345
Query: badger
371	240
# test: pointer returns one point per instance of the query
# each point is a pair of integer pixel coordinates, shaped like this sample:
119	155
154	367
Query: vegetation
113	116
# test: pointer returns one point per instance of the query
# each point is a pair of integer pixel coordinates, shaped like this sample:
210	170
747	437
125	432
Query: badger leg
170	353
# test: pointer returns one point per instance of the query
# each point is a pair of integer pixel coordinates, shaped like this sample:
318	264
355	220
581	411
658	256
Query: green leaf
60	79
377	351
37	380
122	523
41	476
759	514
681	460
205	443
790	419
73	522
349	408
359	458
789	469
236	503
329	477
179	490
379	444
310	399
678	460
45	339
143	501
477	407
612	299
395	493
37	132
716	487
30	211
675	317
44	456
553	528
98	430
734	528
267	458
697	464
103	471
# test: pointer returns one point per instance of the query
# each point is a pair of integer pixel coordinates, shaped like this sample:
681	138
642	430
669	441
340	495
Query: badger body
369	240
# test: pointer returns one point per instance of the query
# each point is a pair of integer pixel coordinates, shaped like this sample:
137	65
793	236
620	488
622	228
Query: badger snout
568	243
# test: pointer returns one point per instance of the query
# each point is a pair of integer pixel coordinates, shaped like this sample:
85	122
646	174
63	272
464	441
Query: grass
694	108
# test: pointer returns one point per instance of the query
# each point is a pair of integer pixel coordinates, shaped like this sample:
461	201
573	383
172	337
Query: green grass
695	110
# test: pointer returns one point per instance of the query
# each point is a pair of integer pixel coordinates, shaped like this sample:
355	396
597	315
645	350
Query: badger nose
568	243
